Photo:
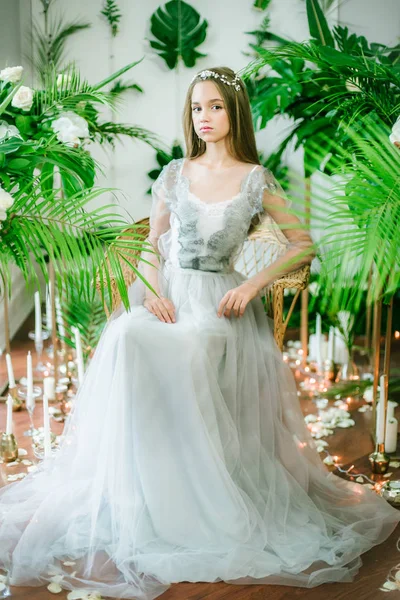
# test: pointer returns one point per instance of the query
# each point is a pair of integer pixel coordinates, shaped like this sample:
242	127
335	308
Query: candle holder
39	348
390	491
8	447
17	402
379	460
38	443
348	371
329	370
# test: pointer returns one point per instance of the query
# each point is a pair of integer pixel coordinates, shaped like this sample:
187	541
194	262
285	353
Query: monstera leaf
179	30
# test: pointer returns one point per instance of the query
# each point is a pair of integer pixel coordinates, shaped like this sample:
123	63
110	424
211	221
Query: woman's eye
217	106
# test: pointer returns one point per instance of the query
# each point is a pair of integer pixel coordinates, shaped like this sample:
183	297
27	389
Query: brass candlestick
17	402
8	447
379	460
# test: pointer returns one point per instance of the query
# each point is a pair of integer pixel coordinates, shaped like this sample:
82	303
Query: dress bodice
201	235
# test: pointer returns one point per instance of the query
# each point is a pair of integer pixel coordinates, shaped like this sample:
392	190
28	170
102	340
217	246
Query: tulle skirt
186	458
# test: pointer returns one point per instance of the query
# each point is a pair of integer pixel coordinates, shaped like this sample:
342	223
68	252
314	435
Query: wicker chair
259	250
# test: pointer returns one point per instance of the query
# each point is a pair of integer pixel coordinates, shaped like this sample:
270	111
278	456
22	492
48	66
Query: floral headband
209	74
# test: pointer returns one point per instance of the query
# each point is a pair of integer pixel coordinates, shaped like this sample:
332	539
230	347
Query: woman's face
210	119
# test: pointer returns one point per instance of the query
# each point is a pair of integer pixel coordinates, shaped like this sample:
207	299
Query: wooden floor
352	446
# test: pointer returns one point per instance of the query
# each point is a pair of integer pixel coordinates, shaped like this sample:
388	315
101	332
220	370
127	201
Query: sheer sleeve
156	245
273	221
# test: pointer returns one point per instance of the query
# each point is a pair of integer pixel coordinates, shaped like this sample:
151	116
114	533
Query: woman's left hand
237	299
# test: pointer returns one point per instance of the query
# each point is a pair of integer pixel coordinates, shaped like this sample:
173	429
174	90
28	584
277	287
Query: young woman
186	457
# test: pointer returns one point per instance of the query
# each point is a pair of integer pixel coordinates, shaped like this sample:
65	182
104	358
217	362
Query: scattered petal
72	574
2	587
360	479
78	595
388	474
328	460
394	464
22	452
32	469
69	563
389	585
27	462
13	464
54	588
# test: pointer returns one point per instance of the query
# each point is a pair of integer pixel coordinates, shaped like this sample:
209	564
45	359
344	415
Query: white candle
46	427
380	413
38	318
331	344
318	333
49	314
30	400
49	387
11	379
9	426
59	318
79	354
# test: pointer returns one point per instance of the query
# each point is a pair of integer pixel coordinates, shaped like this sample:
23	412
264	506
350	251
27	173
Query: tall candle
318	332
59	318
331	344
9	426
30	401
38	318
49	387
49	314
11	379
380	414
79	354
46	427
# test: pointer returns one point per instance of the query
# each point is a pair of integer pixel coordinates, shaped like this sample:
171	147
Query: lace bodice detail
194	234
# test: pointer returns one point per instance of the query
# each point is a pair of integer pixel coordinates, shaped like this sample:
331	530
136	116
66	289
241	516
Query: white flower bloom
6	200
23	98
395	135
70	127
11	74
8	131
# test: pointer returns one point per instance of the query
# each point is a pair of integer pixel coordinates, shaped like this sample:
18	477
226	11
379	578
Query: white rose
23	98
70	127
8	131
11	74
3	215
6	200
395	135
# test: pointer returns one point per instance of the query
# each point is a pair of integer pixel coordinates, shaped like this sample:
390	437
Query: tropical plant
360	241
50	132
178	29
88	315
49	40
112	14
334	79
163	158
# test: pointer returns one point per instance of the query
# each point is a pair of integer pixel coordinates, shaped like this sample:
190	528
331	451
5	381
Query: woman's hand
237	299
161	307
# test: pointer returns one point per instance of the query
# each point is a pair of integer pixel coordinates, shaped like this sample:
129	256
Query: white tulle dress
186	456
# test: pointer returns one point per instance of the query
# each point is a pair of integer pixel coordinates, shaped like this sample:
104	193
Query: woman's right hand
161	307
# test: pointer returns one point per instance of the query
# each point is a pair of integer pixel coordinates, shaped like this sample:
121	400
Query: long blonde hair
241	138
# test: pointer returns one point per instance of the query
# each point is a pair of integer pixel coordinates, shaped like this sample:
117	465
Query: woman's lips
205	128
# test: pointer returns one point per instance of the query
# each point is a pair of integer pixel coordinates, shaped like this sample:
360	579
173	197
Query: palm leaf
178	29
